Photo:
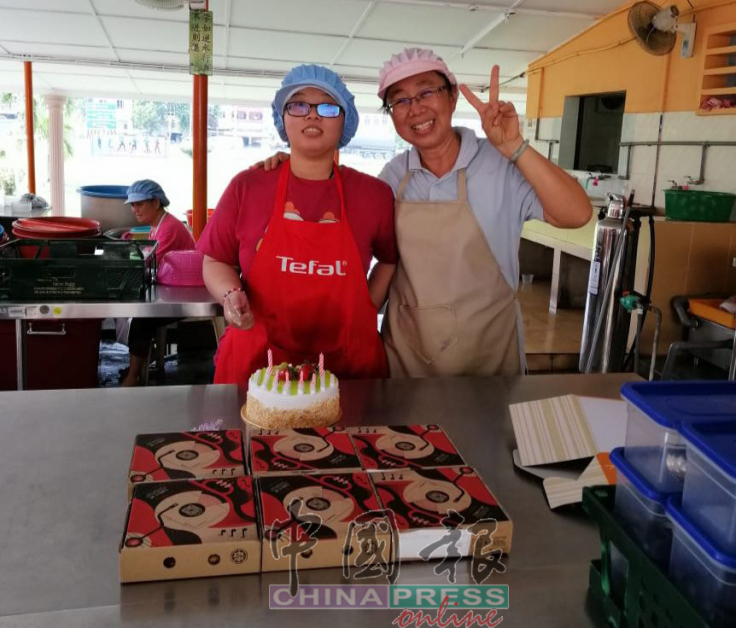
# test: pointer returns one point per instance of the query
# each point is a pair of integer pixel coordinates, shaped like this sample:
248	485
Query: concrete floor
180	368
552	340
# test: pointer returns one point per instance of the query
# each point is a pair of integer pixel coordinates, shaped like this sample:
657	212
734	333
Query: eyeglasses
324	109
403	104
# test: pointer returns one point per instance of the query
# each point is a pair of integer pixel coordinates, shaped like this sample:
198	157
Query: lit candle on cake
300	385
313	385
287	383
270	363
321	365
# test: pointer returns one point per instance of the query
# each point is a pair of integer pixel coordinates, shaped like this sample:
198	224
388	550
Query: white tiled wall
640	127
675	162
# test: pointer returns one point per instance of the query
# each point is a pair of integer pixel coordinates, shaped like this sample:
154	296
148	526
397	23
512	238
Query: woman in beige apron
448	315
451	310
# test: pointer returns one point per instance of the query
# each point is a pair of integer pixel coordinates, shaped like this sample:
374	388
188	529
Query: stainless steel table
63	472
160	302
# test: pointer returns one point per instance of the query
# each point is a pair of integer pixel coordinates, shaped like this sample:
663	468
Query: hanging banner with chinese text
200	42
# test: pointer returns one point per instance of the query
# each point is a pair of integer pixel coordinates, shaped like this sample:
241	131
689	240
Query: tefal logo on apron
312	267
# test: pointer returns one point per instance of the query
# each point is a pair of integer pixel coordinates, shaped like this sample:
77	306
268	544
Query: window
591	132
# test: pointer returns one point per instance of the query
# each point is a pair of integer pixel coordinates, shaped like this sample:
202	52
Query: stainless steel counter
63	469
160	302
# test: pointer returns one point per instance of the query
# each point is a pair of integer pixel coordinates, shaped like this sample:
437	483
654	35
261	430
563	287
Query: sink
700	205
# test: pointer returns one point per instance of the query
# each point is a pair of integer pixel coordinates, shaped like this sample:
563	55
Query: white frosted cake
286	396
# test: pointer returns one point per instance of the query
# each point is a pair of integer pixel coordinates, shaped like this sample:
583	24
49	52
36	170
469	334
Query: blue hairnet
330	83
145	190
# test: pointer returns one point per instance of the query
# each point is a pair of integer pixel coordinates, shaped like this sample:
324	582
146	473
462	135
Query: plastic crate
76	270
650	600
699	205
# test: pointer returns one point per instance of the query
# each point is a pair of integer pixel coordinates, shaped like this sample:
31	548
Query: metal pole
655	344
19	355
199	154
30	146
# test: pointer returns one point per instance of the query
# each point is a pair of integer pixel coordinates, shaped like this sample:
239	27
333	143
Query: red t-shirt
245	209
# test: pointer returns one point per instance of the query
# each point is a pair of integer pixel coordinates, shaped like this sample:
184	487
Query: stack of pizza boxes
365	495
192	510
355	497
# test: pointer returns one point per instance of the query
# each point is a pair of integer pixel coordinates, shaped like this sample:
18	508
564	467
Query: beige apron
450	310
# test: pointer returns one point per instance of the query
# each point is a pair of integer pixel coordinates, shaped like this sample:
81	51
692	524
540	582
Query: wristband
229	292
518	152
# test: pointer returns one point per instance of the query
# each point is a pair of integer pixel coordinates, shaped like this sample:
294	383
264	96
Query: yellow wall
603	58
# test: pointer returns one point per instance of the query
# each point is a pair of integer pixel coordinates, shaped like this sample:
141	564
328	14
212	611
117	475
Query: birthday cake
286	396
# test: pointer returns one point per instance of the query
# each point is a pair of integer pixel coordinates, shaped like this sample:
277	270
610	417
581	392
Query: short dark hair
448	86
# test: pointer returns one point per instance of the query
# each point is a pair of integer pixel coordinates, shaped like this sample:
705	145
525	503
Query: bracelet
518	152
229	292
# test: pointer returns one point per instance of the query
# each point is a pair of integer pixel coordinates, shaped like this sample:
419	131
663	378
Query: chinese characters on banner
200	42
376	538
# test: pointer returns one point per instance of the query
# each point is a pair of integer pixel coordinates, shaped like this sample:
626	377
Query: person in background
287	252
148	203
461	202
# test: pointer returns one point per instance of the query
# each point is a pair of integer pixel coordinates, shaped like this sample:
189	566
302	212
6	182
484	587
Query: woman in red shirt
287	252
148	203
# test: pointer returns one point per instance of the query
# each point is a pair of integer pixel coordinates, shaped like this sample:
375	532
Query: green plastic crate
699	205
650	599
76	270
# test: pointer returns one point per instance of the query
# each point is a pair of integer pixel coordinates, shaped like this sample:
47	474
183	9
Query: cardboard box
318	519
404	446
186	456
429	503
190	529
302	451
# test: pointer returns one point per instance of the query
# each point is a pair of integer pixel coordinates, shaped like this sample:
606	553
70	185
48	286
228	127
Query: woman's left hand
499	119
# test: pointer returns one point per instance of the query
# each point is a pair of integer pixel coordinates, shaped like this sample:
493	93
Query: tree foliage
149	116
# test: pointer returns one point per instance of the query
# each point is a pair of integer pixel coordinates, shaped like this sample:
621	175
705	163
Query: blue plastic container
702	570
106	205
104	191
709	495
640	508
657	413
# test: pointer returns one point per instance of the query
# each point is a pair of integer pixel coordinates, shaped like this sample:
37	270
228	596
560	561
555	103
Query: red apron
309	295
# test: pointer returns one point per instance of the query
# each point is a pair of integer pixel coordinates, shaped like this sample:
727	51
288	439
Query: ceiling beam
353	32
184	69
369	40
159	16
228	14
495	8
109	41
467	7
483	32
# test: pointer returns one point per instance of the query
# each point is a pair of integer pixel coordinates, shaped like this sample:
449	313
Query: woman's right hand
237	310
272	162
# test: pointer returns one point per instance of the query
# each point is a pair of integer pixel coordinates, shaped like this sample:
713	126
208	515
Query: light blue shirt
499	195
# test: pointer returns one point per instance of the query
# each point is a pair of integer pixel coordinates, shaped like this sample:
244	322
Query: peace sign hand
499	119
